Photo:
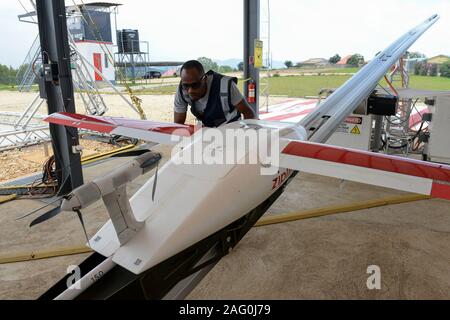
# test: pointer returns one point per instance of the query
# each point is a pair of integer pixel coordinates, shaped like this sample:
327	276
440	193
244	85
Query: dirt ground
29	160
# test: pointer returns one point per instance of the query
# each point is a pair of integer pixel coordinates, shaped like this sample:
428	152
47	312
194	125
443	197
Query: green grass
160	90
300	86
8	87
429	83
342	70
318	70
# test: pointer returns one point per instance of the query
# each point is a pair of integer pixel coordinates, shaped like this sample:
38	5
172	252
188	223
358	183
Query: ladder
84	84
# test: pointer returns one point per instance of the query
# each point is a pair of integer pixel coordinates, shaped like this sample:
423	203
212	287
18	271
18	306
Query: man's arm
179	117
239	102
244	108
179	108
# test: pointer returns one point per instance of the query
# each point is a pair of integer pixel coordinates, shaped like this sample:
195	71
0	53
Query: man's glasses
194	85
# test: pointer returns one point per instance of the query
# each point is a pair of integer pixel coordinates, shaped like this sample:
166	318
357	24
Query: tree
445	70
241	66
225	69
288	64
208	64
419	68
414	55
7	74
335	59
433	70
356	60
424	68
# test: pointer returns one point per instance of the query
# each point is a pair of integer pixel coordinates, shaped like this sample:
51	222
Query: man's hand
179	118
244	108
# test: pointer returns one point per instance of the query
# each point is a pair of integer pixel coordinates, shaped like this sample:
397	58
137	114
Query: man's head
193	79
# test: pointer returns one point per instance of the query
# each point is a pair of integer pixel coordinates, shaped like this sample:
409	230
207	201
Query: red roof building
344	60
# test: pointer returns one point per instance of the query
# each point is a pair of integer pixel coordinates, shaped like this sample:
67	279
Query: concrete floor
320	258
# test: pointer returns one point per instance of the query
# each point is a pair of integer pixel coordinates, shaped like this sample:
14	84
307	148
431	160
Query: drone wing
160	132
367	167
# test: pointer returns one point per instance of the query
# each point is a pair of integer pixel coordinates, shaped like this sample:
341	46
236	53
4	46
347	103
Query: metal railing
26	74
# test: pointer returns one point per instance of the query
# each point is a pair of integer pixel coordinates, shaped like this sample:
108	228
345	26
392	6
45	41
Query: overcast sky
300	29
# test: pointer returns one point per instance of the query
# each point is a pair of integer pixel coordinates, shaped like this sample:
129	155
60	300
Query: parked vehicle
152	75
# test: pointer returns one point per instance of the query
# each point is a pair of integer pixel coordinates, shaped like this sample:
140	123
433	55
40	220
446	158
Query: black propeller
151	163
80	217
48	215
154	182
36	210
51	213
54	212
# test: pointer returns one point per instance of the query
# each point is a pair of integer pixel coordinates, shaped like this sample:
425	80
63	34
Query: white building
90	26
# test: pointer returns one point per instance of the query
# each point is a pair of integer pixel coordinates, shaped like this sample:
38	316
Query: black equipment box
382	105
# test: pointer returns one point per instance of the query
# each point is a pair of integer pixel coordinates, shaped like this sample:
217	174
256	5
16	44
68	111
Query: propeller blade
80	216
154	182
48	215
151	162
36	210
132	153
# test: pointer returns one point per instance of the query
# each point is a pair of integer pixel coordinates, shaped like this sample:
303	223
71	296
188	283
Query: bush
225	69
424	70
288	64
417	68
7	74
356	60
208	64
421	69
433	70
276	75
334	59
445	70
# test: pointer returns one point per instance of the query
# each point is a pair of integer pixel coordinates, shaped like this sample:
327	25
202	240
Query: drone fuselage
194	200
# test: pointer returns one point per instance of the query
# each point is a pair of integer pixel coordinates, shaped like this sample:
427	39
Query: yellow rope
20	257
7	198
335	209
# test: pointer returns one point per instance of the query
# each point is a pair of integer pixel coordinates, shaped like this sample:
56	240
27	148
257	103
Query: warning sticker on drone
354	120
355	130
351	125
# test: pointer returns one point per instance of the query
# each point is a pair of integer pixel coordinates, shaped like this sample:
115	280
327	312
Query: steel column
251	33
52	24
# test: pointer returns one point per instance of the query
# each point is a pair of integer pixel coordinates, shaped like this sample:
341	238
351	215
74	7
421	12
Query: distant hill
234	63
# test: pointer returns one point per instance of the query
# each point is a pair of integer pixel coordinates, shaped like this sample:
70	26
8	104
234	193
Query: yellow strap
7	198
19	257
319	212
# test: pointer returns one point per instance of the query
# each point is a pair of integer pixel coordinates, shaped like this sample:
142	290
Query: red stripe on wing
440	191
289	115
370	160
107	124
80	121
